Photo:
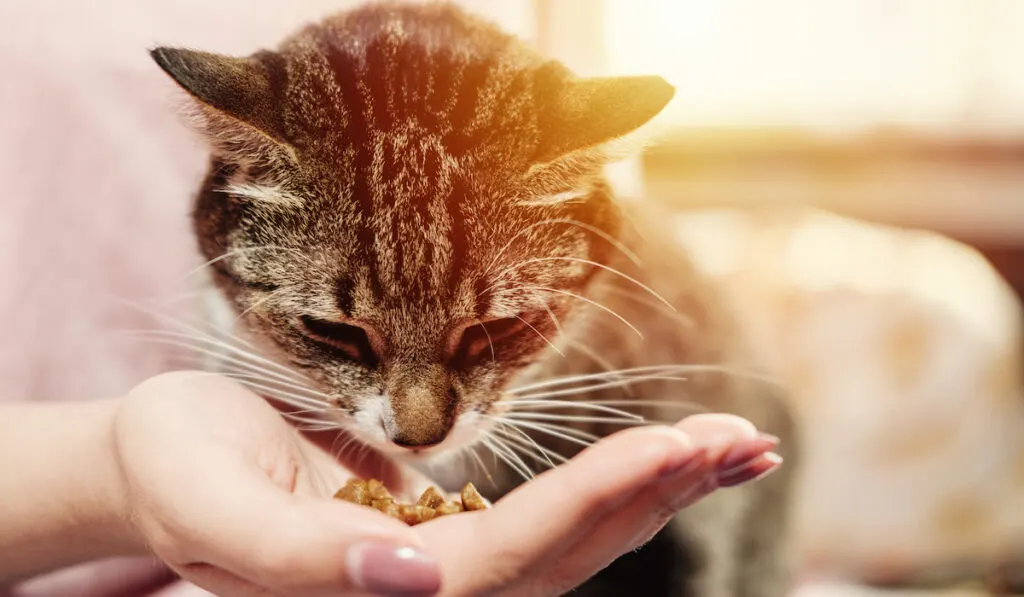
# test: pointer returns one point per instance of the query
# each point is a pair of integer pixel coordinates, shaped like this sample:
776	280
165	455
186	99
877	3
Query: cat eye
480	339
349	342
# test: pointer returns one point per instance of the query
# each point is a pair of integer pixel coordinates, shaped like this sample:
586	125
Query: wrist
64	501
107	518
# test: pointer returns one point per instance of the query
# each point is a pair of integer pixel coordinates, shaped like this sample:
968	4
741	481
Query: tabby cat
405	208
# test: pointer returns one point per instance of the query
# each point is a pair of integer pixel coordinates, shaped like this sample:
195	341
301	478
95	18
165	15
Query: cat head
407	205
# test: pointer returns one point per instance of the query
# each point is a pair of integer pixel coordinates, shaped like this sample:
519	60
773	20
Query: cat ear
235	96
584	112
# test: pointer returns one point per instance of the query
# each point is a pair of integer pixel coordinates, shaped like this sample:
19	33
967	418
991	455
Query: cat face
406	205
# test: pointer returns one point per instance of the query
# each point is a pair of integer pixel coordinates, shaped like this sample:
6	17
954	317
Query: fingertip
717	428
393	569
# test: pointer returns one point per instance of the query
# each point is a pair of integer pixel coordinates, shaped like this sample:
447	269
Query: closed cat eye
479	340
349	342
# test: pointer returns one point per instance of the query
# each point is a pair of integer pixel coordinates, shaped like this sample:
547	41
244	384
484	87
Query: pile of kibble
431	504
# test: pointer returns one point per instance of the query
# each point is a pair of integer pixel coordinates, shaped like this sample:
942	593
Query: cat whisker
686	405
500	452
522	447
592	229
532	443
527	416
577	433
489	343
606	268
600	375
211	331
301	404
242	251
552	457
258	303
495	448
655	306
292	399
599	386
240	375
595	304
552	430
284	374
621	373
554	320
220	357
544	404
594	356
545	338
512	454
479	461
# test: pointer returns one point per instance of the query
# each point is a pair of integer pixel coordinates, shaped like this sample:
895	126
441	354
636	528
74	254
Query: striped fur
389	179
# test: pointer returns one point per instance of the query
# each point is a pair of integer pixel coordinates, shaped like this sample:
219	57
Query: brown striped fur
406	205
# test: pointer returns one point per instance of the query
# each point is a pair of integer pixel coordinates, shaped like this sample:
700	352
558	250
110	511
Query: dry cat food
431	504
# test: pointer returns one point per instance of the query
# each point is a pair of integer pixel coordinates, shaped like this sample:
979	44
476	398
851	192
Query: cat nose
417	442
420	408
417	436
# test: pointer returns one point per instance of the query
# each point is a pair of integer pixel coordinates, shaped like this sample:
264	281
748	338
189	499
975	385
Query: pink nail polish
393	571
755	470
686	463
746	451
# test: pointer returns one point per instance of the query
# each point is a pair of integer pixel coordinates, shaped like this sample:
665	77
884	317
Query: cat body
405	213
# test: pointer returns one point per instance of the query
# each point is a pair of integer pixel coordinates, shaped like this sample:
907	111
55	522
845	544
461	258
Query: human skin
209	477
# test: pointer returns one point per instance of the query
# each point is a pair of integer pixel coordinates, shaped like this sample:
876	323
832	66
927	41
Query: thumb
305	545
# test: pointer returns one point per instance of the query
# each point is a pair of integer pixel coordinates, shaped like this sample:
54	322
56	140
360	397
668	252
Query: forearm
61	500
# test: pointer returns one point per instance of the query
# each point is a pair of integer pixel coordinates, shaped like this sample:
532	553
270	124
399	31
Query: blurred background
851	171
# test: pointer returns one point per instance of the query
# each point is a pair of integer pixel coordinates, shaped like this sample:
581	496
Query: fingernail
743	452
686	464
755	470
393	571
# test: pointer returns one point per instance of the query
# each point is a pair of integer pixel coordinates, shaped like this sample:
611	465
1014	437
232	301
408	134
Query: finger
547	515
724	444
241	522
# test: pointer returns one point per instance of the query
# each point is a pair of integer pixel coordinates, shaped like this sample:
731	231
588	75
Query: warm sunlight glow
935	65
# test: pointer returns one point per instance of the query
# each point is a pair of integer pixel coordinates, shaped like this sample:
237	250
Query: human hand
233	498
552	534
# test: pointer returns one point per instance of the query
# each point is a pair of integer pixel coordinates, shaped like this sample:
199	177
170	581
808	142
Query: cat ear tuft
584	112
241	89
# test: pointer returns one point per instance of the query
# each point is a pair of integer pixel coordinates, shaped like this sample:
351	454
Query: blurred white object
903	350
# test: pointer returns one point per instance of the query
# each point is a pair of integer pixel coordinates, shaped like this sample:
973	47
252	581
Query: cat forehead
394	86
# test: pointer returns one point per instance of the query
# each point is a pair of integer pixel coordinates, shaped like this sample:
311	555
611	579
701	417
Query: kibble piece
431	498
382	504
378	491
413	515
471	498
354	491
449	508
431	504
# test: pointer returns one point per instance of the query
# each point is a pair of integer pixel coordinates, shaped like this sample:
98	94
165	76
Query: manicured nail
755	470
686	463
393	571
743	452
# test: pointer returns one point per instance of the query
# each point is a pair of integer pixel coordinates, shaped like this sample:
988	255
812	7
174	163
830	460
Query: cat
405	209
